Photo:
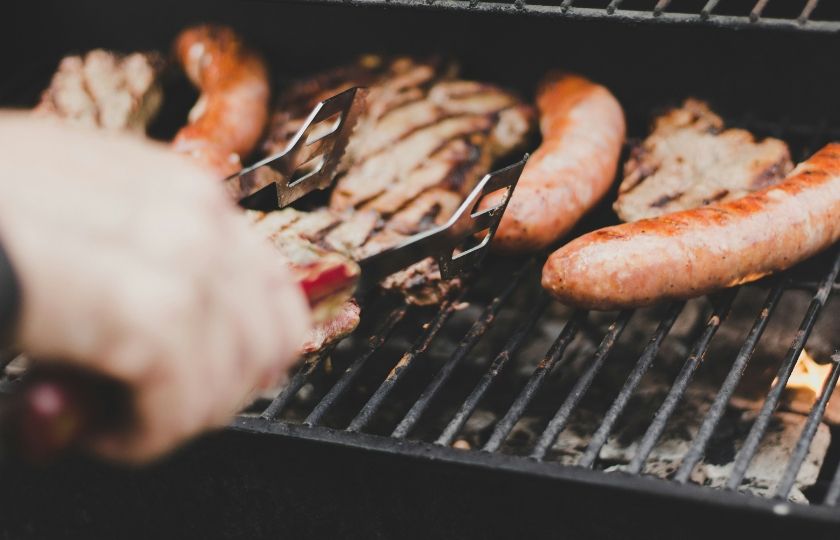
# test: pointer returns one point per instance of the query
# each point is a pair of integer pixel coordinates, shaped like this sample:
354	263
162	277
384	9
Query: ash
777	445
767	466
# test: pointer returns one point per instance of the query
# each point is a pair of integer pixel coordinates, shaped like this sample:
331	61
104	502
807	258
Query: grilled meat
690	160
582	127
392	83
423	142
227	121
694	252
327	276
106	90
344	320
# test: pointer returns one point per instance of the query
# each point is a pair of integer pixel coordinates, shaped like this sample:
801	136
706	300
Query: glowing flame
808	375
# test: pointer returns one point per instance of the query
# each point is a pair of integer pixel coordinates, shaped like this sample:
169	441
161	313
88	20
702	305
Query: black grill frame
657	13
489	461
490	457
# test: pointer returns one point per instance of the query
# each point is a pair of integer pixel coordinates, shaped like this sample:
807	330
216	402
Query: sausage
690	253
583	130
232	111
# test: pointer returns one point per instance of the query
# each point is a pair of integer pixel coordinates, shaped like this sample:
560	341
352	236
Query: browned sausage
583	129
694	252
230	115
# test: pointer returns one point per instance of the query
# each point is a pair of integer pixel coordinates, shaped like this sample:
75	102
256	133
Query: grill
809	15
500	412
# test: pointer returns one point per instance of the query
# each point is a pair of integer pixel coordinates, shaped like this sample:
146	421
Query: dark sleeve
9	299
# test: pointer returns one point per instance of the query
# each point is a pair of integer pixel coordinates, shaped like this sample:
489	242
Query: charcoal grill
372	438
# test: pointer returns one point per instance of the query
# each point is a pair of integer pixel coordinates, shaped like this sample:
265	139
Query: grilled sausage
230	115
693	252
583	129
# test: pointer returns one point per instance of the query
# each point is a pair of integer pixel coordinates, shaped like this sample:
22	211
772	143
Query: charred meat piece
392	82
106	90
345	320
423	142
690	160
327	276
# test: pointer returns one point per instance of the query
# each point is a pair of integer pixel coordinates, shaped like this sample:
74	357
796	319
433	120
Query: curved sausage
230	115
694	252
583	130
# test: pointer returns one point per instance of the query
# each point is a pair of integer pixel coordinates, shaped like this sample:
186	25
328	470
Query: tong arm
443	241
319	151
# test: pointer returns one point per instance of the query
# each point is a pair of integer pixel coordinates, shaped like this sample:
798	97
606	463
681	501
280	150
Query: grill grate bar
651	13
807	11
508	351
745	455
419	348
558	422
552	357
379	337
660	6
733	377
279	404
833	495
645	360
613	6
680	384
708	8
803	444
758	9
466	344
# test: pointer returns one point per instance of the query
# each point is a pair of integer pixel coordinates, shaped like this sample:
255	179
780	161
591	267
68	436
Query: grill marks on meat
306	260
373	177
106	90
432	208
353	232
423	142
392	83
690	160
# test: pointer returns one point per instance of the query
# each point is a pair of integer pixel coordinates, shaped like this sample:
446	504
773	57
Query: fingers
237	335
136	265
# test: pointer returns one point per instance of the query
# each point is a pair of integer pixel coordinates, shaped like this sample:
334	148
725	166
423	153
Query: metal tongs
317	148
84	403
310	162
455	244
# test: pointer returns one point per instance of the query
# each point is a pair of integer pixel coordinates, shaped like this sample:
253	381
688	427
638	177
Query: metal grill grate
804	15
381	387
360	394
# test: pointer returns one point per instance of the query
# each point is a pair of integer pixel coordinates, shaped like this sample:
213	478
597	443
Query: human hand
133	264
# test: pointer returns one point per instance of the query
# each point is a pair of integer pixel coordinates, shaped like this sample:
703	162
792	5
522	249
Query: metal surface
576	476
370	416
759	428
733	14
446	243
317	147
404	413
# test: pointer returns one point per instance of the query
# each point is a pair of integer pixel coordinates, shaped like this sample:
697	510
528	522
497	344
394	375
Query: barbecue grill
456	420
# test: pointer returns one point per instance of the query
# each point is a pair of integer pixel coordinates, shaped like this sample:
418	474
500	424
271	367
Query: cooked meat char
336	315
392	83
345	320
690	160
105	89
423	142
